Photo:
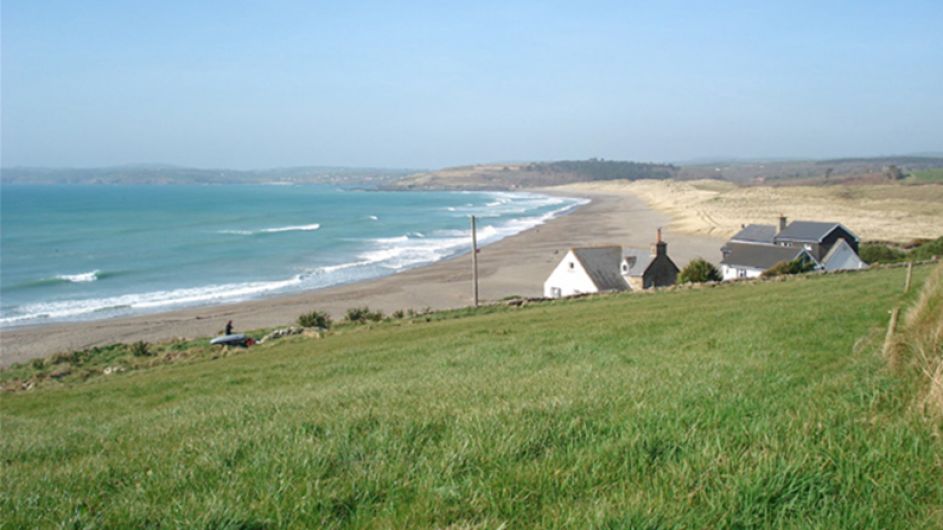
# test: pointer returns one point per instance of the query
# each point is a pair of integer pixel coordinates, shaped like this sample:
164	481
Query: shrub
880	253
796	266
699	270
140	349
39	364
398	314
363	314
315	319
928	250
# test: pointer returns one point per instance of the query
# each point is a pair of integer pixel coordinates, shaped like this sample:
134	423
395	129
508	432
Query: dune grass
755	405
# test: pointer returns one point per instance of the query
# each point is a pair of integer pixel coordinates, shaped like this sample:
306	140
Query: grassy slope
729	407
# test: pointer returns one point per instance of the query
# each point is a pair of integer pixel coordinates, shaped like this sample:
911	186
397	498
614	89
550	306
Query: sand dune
889	212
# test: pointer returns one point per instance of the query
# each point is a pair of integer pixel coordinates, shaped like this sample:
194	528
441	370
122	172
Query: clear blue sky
415	84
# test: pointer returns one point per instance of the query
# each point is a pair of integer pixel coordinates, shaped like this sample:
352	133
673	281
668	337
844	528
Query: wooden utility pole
474	231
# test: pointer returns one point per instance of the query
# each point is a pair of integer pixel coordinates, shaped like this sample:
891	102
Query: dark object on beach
233	340
228	328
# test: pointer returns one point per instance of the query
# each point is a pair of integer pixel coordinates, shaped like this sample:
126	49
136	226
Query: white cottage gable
569	278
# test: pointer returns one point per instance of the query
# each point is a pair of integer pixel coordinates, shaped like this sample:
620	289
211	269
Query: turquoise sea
80	252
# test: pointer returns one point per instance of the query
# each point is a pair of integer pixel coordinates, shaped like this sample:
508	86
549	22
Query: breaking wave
276	230
75	309
394	254
81	277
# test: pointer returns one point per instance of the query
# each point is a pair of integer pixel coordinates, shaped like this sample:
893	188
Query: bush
880	253
140	349
362	315
315	319
928	250
699	270
398	314
796	266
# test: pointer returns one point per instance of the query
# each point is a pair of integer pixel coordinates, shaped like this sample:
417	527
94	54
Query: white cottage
745	260
827	245
587	270
609	268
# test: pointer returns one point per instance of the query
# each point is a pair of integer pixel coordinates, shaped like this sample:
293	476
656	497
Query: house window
741	273
625	268
555	292
571	265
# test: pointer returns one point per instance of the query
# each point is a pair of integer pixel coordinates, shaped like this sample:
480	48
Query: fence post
910	275
889	338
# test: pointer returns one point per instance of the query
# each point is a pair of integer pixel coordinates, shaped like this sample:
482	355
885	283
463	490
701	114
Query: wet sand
517	265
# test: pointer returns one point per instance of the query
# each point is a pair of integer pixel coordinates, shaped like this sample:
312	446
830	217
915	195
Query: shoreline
515	265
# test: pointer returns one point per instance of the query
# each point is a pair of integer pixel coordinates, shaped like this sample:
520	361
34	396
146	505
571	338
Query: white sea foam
298	228
278	229
149	300
79	278
504	203
415	248
373	218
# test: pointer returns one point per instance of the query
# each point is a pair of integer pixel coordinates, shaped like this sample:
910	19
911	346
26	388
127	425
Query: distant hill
539	174
789	171
166	174
512	175
536	174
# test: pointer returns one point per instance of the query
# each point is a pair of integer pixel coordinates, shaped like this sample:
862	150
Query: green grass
740	406
927	175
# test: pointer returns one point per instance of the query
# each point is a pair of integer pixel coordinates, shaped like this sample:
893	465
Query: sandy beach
517	265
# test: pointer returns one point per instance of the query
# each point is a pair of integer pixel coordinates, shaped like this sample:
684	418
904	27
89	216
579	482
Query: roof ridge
591	247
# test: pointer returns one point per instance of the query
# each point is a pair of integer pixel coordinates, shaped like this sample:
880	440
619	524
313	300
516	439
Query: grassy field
927	175
753	405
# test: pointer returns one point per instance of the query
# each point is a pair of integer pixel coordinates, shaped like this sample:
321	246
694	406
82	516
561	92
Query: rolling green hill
740	406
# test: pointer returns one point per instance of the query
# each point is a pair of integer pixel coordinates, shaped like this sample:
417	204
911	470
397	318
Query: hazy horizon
424	86
690	162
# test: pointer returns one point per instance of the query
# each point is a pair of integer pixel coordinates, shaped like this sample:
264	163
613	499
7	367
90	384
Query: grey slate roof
638	260
603	265
759	256
813	231
842	257
756	234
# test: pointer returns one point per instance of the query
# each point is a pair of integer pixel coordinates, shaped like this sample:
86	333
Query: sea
86	252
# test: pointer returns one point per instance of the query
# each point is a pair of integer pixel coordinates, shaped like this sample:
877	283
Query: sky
241	85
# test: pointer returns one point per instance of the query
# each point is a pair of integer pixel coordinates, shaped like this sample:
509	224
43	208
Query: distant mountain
168	174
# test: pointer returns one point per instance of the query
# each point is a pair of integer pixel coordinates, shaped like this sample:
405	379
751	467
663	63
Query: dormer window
571	265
